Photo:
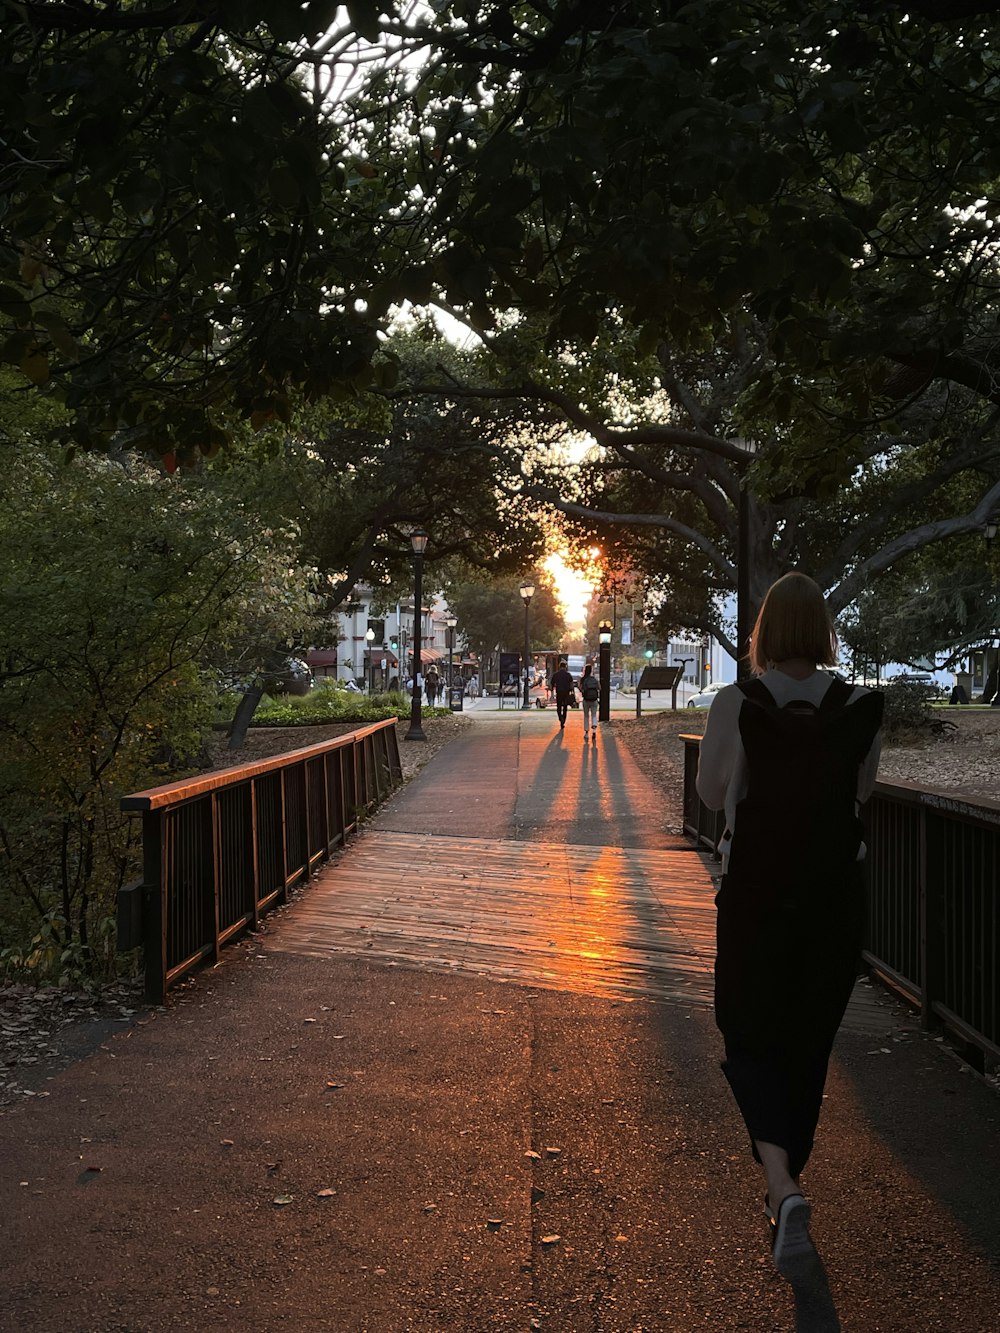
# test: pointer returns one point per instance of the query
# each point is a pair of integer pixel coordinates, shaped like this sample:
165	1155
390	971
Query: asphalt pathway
338	1140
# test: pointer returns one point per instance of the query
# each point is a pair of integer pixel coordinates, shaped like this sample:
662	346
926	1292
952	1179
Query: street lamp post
418	540
527	592
993	673
370	639
451	622
604	671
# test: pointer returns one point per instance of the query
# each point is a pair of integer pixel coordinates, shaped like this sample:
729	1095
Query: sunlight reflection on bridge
595	920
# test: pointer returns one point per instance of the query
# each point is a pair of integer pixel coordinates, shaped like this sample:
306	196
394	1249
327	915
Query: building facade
374	648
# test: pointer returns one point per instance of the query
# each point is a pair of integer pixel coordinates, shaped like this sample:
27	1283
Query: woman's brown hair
793	622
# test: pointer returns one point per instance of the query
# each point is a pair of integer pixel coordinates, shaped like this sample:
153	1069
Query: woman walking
590	693
790	756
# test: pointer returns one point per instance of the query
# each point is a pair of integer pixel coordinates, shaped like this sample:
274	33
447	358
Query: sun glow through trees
573	589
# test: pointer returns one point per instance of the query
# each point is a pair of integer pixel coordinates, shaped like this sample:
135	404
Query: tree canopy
208	215
490	613
185	226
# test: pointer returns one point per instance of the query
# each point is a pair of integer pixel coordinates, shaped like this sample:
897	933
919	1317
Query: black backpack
590	688
797	827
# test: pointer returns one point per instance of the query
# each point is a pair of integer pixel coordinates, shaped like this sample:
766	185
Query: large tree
204	209
491	616
655	178
668	472
810	181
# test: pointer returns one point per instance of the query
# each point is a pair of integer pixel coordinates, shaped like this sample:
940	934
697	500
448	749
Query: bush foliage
908	711
120	592
324	706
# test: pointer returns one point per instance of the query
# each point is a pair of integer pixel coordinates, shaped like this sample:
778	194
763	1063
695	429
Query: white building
375	648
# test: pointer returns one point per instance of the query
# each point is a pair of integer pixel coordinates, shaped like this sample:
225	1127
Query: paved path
469	1081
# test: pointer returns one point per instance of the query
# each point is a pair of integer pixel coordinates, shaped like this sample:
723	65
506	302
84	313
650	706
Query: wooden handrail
186	789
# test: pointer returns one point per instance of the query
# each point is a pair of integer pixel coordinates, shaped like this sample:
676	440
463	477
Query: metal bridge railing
933	930
220	849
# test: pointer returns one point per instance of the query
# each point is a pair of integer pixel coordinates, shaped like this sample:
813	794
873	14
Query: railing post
154	917
933	942
216	874
284	836
307	799
255	853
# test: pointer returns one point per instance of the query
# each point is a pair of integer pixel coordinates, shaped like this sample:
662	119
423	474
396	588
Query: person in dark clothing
791	903
562	688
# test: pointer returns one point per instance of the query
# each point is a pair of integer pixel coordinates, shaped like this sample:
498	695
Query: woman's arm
720	747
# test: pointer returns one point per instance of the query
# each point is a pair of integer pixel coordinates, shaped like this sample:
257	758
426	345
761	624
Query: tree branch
609	437
697	539
924	535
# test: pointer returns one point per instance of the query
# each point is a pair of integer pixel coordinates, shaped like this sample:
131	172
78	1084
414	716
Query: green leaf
57	329
364	18
14	304
35	365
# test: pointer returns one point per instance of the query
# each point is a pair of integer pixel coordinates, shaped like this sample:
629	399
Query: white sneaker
793	1251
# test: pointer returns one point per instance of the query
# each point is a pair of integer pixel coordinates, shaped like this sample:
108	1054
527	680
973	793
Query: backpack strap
836	696
756	690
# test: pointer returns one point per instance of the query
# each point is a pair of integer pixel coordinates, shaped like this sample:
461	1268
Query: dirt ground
963	762
263	742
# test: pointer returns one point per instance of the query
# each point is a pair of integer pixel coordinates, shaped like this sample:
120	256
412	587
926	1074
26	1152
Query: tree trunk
244	716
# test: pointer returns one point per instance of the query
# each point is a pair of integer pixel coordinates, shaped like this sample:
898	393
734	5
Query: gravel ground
964	762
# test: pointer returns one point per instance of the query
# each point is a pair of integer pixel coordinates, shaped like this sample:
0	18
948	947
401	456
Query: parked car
707	696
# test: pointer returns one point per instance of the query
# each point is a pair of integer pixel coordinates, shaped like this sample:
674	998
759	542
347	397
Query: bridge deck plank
625	922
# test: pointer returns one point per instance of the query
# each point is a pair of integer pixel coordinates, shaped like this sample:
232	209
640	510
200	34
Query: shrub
908	712
120	591
325	706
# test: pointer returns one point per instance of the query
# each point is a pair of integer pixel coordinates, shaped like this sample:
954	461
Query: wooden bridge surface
601	920
517	855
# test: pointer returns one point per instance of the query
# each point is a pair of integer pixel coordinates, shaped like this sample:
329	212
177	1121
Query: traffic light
649	651
394	644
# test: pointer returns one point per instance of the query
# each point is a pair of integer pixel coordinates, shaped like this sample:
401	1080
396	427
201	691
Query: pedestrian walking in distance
562	688
791	757
590	693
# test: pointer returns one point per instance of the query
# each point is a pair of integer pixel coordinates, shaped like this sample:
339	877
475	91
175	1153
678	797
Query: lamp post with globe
418	540
604	670
527	592
451	621
369	640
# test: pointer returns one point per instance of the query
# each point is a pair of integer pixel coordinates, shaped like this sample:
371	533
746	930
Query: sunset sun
573	589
